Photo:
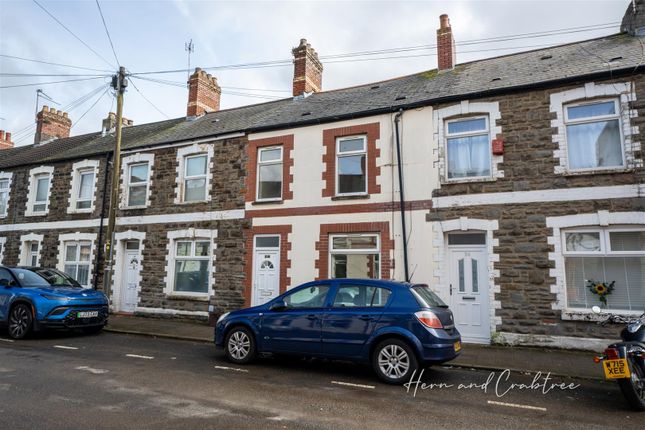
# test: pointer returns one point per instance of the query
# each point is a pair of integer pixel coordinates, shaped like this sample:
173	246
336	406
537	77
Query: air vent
546	57
306	113
401	98
612	60
496	79
373	87
215	120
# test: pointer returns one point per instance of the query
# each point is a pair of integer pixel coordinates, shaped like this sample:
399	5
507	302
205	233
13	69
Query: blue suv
397	327
38	298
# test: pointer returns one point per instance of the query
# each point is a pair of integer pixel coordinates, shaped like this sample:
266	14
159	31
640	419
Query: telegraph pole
119	83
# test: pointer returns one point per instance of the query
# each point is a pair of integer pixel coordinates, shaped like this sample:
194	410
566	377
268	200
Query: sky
151	36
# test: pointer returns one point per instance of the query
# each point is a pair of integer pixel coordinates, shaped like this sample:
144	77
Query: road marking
92	370
515	405
234	369
65	347
349	384
6	340
145	357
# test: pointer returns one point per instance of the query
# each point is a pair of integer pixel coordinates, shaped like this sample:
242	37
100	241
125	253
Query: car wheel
394	361
92	330
240	345
20	321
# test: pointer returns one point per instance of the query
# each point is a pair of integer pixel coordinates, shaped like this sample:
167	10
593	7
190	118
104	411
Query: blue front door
349	322
297	328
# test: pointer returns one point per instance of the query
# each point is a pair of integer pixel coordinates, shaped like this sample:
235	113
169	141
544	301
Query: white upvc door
130	284
469	293
266	275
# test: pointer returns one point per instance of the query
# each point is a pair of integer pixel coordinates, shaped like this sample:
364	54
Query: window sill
194	298
355	197
193	202
36	214
570	173
267	202
130	208
467	180
588	315
80	211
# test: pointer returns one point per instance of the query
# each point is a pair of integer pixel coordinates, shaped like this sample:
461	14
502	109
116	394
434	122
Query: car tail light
428	319
611	353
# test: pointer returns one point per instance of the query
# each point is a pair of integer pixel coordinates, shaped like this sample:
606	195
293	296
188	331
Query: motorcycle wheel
634	388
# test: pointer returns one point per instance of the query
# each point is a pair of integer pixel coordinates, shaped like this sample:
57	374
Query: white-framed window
40	180
83	186
189	263
137	192
269	176
30	245
612	254
78	258
5	189
137	171
351	166
594	135
355	255
468	148
194	173
3	243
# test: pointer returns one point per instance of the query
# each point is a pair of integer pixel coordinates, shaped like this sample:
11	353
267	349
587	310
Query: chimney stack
307	70
51	124
446	57
109	123
203	93
634	19
5	140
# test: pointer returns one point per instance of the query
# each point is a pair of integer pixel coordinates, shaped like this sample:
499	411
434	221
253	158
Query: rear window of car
29	279
426	297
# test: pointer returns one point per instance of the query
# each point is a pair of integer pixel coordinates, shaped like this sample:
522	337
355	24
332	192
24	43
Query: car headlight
221	317
51	297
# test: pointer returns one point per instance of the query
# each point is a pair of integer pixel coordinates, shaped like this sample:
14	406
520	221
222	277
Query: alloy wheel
19	322
393	361
239	345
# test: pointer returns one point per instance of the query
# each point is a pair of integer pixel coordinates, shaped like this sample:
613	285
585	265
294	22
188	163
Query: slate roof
615	54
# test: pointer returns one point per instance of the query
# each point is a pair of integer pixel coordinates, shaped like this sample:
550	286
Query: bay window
605	255
355	256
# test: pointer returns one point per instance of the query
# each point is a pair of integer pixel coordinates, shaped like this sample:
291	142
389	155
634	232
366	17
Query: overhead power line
53	64
90	108
108	33
146	99
50	82
72	33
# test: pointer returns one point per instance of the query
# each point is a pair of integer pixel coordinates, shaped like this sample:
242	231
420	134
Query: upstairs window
270	179
195	176
468	148
594	138
85	193
41	195
4	197
351	166
138	184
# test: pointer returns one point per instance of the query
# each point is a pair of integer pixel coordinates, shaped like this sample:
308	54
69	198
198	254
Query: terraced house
522	180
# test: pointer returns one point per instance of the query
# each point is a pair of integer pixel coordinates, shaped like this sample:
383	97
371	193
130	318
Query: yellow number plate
616	369
457	346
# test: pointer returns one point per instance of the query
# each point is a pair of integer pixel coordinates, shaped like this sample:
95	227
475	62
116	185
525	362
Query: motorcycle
625	361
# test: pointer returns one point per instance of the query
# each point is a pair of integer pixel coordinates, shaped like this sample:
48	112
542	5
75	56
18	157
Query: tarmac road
111	380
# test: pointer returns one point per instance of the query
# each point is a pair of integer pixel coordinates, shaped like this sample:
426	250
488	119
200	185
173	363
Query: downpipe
404	231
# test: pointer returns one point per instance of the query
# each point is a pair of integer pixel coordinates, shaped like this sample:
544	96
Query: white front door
130	284
469	293
266	275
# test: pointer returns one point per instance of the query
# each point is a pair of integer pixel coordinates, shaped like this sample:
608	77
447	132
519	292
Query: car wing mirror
278	306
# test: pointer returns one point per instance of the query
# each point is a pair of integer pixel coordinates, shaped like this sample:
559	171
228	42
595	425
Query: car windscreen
29	279
426	297
57	279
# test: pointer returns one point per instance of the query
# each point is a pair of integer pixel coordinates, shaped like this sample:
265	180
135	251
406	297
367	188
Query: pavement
559	362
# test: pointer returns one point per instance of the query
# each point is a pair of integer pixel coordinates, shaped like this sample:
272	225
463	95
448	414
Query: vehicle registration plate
615	369
87	314
457	346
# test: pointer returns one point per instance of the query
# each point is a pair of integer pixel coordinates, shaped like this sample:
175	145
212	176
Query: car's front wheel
20	321
394	361
240	345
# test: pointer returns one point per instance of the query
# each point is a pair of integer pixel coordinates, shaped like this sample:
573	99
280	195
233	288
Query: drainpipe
99	252
397	117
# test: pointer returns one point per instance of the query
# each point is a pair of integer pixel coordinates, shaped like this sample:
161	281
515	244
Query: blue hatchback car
39	298
396	327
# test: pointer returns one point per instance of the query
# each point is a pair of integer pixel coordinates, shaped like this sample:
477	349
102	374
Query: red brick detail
252	165
51	124
307	69
203	93
340	209
285	263
387	245
373	132
5	140
446	57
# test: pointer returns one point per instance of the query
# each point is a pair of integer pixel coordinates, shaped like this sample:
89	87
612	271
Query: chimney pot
7	137
446	57
203	94
1	134
307	69
5	140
